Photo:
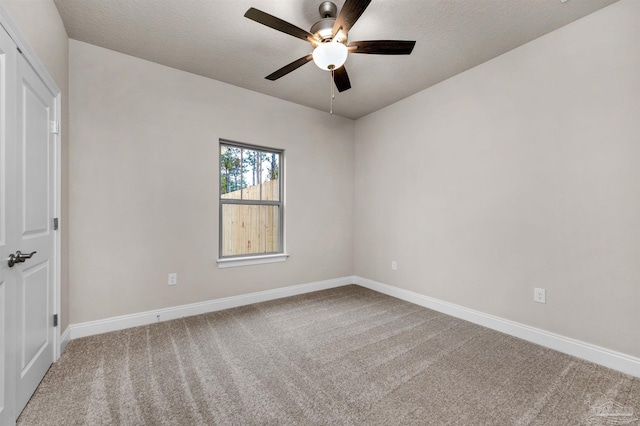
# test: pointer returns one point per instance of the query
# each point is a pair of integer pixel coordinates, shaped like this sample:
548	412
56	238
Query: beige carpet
342	356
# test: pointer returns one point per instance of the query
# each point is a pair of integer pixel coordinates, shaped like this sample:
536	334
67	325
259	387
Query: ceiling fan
329	38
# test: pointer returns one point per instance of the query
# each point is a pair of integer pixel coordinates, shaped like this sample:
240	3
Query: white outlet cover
173	279
540	295
394	265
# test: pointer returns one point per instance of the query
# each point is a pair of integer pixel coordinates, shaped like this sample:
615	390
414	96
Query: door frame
31	57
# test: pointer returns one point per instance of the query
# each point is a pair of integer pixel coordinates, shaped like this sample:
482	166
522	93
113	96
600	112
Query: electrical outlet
540	295
394	265
173	278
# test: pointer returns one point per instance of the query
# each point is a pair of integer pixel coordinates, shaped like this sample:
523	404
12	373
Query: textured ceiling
213	39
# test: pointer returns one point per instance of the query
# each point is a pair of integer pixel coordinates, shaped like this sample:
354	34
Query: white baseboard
65	337
608	358
143	318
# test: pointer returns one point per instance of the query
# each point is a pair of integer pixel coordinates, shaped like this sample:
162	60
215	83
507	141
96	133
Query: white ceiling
213	39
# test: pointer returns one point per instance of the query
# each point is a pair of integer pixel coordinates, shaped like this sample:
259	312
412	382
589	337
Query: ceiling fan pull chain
332	94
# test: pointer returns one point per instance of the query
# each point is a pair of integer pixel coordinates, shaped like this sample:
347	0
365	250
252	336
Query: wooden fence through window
251	229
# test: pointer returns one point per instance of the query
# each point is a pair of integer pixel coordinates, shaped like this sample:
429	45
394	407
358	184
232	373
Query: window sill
251	260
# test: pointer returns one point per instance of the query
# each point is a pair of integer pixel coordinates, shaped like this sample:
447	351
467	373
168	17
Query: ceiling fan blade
349	14
278	24
382	47
341	79
288	68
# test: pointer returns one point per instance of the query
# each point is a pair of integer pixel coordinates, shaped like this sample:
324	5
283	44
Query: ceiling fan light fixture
330	56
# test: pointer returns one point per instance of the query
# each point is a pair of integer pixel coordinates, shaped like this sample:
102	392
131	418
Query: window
251	216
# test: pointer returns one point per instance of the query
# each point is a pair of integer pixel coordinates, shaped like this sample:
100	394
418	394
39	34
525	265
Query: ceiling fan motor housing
324	27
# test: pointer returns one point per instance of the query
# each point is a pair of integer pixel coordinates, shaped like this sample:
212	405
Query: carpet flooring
345	356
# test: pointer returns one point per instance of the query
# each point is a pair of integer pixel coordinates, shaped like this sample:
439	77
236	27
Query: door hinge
55	223
55	320
55	127
19	51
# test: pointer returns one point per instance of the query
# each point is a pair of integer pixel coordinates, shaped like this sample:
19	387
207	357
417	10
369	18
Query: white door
28	192
35	201
8	231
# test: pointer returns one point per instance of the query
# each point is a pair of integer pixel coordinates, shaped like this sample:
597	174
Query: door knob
18	258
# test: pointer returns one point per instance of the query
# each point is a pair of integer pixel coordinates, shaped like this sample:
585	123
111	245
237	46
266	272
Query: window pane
270	176
251	174
230	171
248	229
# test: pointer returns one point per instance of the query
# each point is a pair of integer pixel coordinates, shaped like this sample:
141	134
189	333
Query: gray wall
522	172
41	25
144	185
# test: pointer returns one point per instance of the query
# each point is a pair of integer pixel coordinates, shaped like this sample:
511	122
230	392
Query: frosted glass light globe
331	55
